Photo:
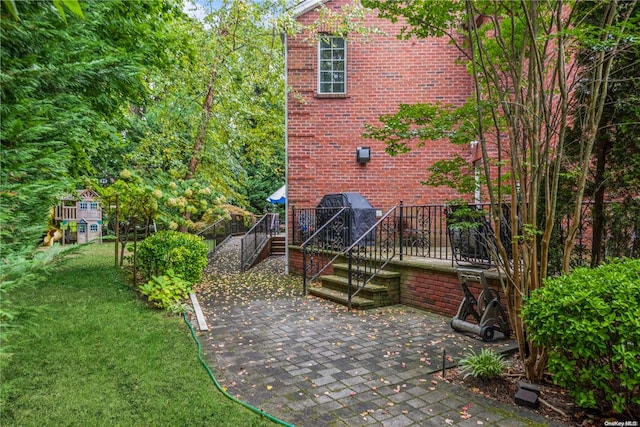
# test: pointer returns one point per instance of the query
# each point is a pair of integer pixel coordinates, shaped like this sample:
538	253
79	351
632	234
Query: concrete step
357	302
341	284
373	295
342	269
278	245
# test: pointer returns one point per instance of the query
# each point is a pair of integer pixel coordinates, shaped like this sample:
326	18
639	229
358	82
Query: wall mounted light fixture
363	154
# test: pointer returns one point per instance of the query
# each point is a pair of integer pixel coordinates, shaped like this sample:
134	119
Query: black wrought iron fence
422	231
614	235
306	221
331	235
372	251
438	232
255	239
217	233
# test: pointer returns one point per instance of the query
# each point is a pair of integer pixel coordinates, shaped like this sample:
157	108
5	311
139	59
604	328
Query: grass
92	353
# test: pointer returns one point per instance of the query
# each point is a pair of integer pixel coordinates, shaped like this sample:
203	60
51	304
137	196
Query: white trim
306	6
286	153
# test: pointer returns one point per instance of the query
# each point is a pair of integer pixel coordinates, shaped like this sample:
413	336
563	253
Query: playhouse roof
85	194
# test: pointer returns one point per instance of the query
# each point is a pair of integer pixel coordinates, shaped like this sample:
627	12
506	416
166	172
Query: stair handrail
366	263
317	248
214	225
253	241
274	228
227	227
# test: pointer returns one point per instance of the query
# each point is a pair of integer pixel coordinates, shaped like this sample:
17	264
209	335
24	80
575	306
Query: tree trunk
207	106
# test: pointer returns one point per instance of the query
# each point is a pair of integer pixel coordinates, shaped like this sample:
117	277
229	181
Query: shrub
184	254
485	365
166	291
590	323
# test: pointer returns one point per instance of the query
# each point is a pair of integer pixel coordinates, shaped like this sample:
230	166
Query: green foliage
185	254
521	59
589	321
72	5
186	204
484	365
453	173
218	116
421	123
19	271
66	87
166	291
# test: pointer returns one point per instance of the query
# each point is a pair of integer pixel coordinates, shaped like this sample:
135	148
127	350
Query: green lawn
92	353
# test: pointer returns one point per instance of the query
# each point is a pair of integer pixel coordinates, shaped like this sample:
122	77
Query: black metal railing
423	231
464	234
372	251
254	240
220	231
326	243
306	221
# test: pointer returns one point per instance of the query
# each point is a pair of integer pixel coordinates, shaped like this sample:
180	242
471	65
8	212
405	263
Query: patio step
382	291
342	298
278	245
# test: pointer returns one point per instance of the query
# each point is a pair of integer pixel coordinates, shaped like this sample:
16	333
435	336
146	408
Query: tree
65	87
616	155
522	56
219	115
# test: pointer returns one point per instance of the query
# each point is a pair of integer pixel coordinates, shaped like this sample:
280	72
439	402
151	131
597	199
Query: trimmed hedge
184	254
590	323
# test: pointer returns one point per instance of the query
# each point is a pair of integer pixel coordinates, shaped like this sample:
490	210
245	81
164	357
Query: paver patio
311	363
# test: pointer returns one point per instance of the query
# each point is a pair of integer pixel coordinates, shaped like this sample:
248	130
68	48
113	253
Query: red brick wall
435	289
381	74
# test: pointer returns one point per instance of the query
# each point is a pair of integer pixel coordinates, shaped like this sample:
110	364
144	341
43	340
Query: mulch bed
559	407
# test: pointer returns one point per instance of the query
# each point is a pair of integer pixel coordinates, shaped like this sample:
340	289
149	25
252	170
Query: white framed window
83	206
93	228
93	206
332	65
82	228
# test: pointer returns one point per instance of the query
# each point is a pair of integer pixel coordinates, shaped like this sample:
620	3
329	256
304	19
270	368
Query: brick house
335	86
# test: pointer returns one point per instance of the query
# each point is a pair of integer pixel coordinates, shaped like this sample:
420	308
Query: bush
184	254
590	323
486	365
167	291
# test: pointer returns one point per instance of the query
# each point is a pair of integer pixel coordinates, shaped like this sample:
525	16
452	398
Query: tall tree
65	87
616	154
522	56
220	114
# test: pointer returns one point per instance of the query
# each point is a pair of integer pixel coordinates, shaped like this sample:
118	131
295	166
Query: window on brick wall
332	65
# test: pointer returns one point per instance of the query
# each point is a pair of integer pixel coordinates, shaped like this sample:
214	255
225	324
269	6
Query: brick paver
312	363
